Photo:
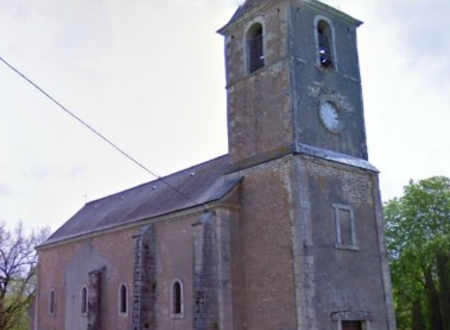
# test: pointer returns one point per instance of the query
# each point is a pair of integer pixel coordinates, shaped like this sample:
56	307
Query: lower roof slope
188	188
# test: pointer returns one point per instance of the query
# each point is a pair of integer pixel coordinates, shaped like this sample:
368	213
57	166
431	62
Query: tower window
177	299
52	305
324	43
255	45
123	299
84	300
345	227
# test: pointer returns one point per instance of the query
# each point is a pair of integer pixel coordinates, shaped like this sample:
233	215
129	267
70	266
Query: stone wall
95	301
263	278
332	279
144	280
206	316
260	118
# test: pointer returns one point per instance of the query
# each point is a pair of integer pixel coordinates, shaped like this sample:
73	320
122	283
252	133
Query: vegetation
418	233
18	261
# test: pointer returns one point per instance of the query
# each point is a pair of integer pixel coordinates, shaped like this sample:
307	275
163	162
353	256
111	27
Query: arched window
325	43
255	47
177	299
84	300
123	299
52	304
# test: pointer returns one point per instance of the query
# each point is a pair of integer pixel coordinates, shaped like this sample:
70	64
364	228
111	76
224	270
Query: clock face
329	115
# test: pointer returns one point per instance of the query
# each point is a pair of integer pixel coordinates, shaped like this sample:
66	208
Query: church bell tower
293	81
311	253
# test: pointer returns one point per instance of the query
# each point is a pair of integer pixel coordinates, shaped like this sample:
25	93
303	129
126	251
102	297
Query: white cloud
149	75
5	191
210	2
421	28
18	9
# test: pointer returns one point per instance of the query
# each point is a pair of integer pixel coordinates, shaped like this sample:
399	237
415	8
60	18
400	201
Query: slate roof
194	186
249	5
243	8
246	6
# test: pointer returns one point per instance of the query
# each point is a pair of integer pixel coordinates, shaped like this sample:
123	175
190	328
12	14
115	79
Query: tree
418	233
18	261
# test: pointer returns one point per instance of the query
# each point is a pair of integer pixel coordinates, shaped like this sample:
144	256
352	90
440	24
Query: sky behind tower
150	76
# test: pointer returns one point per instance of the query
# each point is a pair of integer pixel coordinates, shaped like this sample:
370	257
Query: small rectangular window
348	320
345	227
351	325
345	224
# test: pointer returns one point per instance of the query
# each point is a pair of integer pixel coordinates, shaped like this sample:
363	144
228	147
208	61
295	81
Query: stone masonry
144	281
95	299
205	274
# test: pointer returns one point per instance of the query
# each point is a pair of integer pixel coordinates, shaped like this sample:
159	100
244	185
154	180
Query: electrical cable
93	130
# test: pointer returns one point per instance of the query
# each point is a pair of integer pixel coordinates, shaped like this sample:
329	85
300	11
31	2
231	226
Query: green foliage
418	234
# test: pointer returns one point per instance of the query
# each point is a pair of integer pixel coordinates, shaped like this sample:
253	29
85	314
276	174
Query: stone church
285	232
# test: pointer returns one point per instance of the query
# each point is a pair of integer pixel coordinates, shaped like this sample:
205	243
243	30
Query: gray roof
334	156
243	8
188	188
250	5
246	6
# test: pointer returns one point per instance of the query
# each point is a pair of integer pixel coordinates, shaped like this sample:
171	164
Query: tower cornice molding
248	14
323	7
253	10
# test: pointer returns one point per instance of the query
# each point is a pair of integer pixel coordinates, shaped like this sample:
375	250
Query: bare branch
18	261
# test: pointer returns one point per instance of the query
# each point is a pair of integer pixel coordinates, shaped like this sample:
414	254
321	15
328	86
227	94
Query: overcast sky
150	76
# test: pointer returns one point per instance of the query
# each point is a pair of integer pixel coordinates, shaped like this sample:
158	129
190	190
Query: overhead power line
96	132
